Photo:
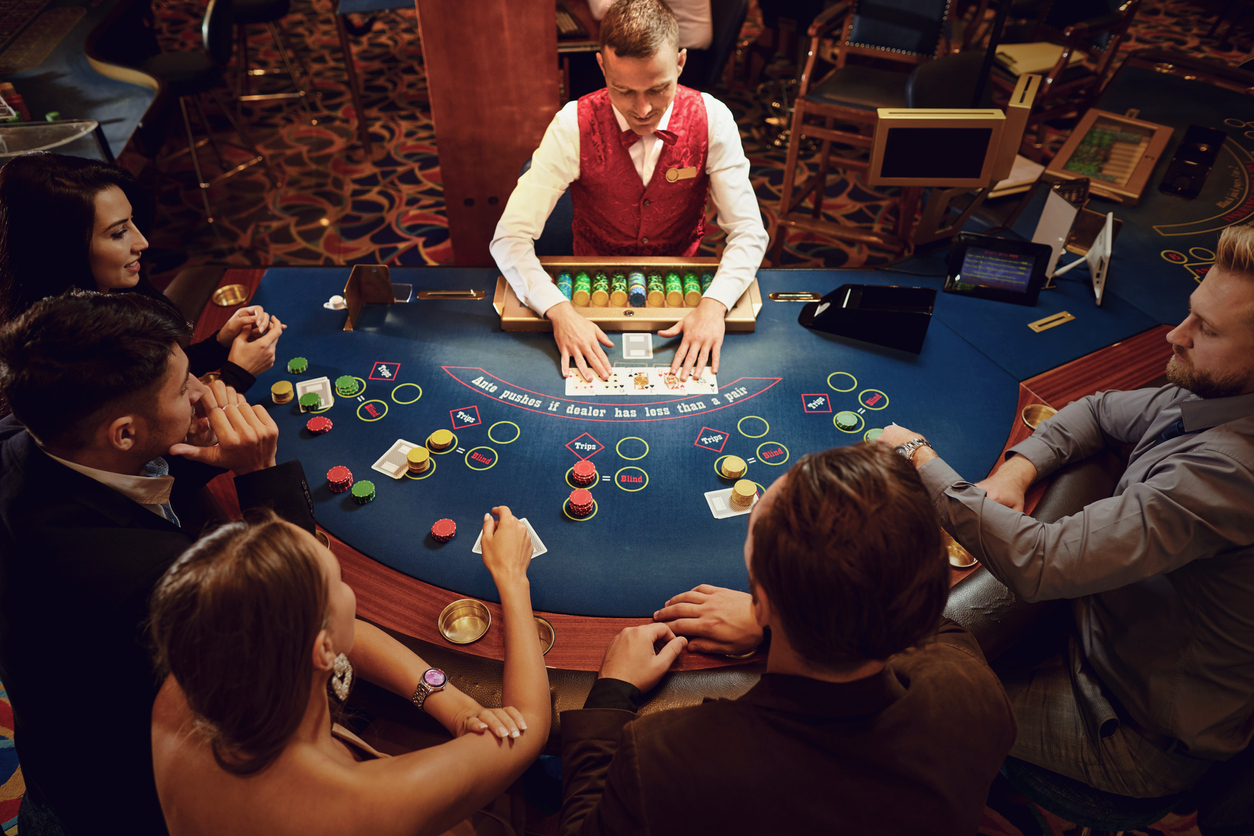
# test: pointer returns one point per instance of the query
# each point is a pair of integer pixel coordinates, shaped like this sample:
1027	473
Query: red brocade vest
616	214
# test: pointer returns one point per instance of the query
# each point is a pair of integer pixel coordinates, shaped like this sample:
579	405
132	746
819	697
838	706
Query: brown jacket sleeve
600	773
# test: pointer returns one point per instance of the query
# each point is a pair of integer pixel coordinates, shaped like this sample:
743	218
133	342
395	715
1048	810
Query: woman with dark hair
70	222
254	626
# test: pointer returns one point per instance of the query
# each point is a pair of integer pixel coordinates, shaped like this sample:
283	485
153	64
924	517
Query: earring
342	679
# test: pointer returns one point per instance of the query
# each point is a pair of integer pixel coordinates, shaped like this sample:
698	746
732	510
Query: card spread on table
395	462
321	385
721	507
642	380
537	546
638	346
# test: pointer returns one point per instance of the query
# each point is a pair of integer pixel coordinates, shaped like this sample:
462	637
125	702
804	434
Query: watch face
435	677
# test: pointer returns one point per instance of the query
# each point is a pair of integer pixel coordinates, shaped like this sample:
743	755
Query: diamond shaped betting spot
584	446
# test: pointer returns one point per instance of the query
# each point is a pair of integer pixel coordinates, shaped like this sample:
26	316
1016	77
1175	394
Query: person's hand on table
506	547
504	722
255	354
579	338
246	436
1011	481
716	620
703	329
250	317
632	658
893	436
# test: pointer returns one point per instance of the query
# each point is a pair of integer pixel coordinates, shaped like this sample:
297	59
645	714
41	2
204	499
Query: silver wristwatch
432	680
910	447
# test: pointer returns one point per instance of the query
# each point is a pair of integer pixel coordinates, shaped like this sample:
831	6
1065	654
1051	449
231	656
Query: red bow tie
630	137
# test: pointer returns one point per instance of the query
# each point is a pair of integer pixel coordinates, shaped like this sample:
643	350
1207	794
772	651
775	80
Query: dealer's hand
631	657
718	620
703	329
578	337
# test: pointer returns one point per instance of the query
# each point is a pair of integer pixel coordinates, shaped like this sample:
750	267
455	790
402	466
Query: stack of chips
282	392
584	473
692	290
734	467
600	290
363	491
310	402
581	504
635	289
847	421
618	289
583	289
674	290
318	425
564	283
657	291
297	365
419	459
340	477
706	279
440	440
346	386
743	493
443	530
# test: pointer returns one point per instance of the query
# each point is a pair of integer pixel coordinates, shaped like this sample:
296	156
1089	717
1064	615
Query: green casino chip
310	401
298	365
363	491
346	385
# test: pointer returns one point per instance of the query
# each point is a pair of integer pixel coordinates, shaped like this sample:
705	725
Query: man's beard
1200	383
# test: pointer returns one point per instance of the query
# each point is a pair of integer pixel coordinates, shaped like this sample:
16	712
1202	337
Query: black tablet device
996	268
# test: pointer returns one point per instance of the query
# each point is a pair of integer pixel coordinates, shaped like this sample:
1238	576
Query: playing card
668	383
394	462
638	346
721	507
707	384
322	386
638	380
577	386
537	546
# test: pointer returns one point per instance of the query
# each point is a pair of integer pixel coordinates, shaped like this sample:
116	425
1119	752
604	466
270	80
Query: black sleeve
235	377
613	693
282	489
208	355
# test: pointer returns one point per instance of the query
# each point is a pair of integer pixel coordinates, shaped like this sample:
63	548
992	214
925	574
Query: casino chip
340	478
443	530
318	425
847	420
440	440
743	493
734	467
282	392
346	385
419	459
584	473
581	504
363	491
297	365
310	402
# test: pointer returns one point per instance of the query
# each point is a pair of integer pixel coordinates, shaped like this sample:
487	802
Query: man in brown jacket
869	718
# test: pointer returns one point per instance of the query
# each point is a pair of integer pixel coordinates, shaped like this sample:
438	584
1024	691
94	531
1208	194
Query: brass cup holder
228	296
464	621
1036	413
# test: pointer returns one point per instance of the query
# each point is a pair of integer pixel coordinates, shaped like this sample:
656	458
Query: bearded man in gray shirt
1158	681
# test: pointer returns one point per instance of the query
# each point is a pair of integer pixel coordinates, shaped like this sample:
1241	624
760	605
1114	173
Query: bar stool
270	12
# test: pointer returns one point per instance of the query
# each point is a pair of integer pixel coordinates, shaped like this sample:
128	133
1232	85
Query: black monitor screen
935	153
1001	270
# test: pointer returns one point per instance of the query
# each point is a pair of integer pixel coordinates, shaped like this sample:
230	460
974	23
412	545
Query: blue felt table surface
641	547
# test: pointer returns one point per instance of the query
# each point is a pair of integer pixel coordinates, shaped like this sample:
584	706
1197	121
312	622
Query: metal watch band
911	447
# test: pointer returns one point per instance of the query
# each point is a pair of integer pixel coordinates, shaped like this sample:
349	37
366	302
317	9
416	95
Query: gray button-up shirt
1164	569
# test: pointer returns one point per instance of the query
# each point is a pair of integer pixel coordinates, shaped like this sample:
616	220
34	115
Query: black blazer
78	561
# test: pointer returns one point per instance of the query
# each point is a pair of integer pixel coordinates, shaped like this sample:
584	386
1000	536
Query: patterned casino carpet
331	205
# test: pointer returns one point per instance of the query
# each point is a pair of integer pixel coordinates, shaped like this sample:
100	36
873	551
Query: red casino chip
318	425
581	502
443	530
584	473
340	478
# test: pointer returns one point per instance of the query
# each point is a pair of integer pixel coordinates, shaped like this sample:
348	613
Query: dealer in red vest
607	148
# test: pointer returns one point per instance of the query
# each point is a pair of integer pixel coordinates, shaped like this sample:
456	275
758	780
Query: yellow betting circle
406	403
517	435
362	405
489	467
720	472
1202	254
758	453
409	474
760	418
632	458
861	421
632	490
873	433
570	471
326	408
873	408
595	508
846	374
452	448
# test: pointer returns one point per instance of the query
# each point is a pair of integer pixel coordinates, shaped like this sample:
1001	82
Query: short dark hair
849	555
74	356
47	218
234	620
639	28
